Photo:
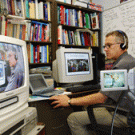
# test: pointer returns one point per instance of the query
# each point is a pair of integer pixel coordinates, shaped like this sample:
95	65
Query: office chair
106	130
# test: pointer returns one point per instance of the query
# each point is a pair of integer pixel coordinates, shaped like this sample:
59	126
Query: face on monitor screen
114	80
77	63
11	67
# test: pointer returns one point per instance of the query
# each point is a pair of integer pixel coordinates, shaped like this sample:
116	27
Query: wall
107	3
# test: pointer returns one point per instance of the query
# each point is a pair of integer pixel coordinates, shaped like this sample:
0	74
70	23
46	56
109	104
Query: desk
55	120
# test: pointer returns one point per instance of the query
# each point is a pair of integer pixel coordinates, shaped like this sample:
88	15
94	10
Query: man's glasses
109	45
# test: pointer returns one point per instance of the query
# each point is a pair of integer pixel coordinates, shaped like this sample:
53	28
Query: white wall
107	3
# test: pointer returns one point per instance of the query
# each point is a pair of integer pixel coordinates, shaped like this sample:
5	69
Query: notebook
39	86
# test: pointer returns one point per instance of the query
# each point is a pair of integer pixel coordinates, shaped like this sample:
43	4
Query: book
36	9
48	33
27	9
4	5
19	8
48	8
32	9
78	38
84	19
3	24
80	20
47	53
60	34
95	38
82	39
40	12
23	32
94	20
28	30
6	28
9	32
18	31
76	18
87	21
9	7
28	52
66	16
89	39
95	6
45	11
61	14
13	7
58	14
79	3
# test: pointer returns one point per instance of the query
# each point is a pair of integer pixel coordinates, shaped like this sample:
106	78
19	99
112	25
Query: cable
120	98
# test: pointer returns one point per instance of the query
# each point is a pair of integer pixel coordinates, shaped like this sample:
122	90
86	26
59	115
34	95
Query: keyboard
82	88
50	93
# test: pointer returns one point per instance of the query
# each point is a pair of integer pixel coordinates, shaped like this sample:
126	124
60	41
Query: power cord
116	108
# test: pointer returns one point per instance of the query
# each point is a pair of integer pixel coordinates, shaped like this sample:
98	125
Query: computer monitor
114	80
131	80
14	77
72	65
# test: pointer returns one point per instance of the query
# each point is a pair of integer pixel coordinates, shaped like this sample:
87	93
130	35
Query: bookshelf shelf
41	42
34	65
73	46
77	7
39	20
76	27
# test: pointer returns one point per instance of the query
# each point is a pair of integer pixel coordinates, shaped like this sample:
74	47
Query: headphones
15	53
16	57
123	45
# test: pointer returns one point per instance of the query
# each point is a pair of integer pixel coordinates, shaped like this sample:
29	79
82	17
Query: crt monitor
113	80
72	65
14	77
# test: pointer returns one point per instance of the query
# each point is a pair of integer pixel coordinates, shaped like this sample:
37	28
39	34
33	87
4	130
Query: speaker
122	45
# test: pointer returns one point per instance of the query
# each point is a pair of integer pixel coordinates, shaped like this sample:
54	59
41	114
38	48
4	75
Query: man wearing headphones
15	80
116	44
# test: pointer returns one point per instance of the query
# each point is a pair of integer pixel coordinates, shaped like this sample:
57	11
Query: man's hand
60	101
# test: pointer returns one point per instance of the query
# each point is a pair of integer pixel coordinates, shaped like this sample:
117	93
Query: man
116	44
15	80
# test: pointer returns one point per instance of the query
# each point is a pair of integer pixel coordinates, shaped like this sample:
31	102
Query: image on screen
77	63
11	67
37	83
112	80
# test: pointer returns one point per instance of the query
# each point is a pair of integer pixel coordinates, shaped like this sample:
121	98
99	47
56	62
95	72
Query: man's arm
62	100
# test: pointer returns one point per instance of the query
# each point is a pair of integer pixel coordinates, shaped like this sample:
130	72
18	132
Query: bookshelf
39	39
77	27
30	20
72	20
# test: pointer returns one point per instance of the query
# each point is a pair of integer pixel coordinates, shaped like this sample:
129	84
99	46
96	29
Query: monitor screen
112	80
37	82
77	63
73	65
11	63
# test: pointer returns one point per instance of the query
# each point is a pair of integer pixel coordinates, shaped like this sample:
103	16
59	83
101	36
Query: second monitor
73	65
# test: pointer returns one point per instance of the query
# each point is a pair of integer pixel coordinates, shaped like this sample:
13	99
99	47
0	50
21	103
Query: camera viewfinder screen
77	63
113	80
